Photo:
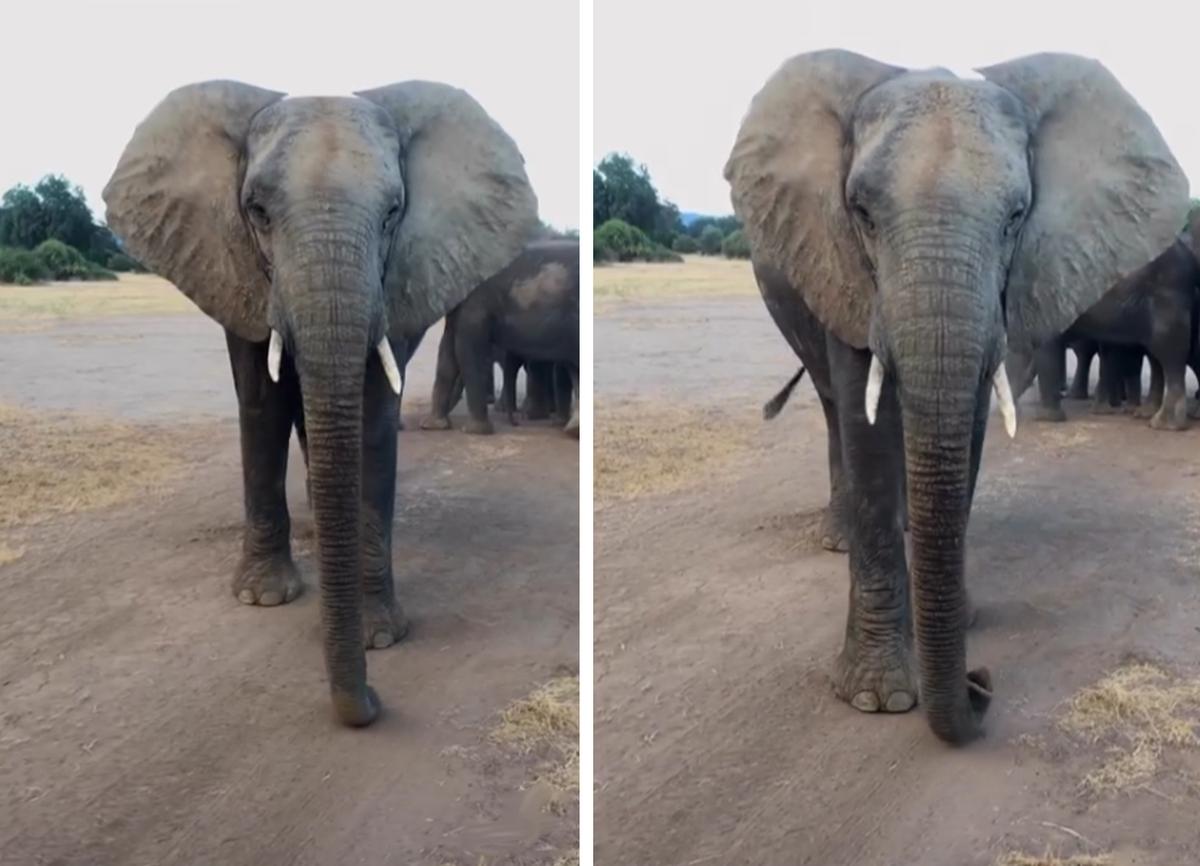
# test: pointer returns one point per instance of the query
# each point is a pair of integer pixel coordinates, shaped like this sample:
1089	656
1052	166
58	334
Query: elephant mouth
383	348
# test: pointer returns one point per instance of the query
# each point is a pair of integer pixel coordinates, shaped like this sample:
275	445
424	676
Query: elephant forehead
923	128
322	140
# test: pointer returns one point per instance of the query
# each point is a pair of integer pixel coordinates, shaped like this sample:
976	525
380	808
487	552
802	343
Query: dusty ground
718	738
148	718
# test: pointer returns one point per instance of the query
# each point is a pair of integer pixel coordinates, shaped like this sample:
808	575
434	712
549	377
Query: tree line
48	232
631	222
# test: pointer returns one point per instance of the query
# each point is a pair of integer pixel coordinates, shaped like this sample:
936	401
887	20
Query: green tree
710	240
628	192
599	199
724	225
22	218
682	243
735	245
68	217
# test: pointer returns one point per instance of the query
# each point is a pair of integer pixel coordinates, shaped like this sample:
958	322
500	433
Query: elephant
1120	375
1151	311
528	312
325	235
904	226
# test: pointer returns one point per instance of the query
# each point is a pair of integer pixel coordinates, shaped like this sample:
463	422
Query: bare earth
718	738
146	717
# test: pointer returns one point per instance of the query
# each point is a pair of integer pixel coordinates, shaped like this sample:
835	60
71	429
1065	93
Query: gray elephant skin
1152	311
325	234
526	313
903	225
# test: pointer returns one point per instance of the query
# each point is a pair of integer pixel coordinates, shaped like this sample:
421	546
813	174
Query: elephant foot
1077	394
833	537
384	623
572	428
536	414
1194	411
435	422
356	710
1052	414
1105	408
1145	412
479	428
1163	420
878	680
267	581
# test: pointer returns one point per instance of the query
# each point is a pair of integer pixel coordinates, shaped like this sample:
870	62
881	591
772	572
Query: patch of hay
67	463
645	447
547	723
1137	711
1015	859
696	276
10	554
129	295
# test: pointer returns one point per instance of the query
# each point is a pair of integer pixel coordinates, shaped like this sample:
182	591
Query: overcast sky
78	75
673	79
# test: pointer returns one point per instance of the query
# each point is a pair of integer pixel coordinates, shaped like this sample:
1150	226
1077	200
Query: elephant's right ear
174	200
787	172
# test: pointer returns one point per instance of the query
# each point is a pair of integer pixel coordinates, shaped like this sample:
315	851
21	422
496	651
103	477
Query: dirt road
719	739
146	717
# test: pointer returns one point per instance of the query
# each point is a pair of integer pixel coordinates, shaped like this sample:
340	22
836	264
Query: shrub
62	262
122	263
684	244
21	267
710	240
618	241
735	245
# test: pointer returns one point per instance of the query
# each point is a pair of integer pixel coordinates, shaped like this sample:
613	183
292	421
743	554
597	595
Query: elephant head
337	228
929	218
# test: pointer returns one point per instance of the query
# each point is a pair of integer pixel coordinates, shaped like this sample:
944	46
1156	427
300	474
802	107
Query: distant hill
690	217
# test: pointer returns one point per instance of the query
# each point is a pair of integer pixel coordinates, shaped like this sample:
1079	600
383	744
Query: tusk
1004	394
874	388
274	355
389	365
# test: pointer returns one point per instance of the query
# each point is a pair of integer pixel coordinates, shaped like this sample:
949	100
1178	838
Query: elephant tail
775	405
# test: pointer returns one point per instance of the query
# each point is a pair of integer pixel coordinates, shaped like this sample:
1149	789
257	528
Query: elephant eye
863	217
258	215
392	214
1014	221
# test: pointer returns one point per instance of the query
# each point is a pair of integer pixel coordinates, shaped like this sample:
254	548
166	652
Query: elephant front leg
477	365
1051	363
833	521
267	410
384	622
876	670
446	381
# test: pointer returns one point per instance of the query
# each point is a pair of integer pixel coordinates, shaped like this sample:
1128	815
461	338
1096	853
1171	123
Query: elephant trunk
943	349
331	325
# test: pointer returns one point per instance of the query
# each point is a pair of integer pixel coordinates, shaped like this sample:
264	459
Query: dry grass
547	723
643	448
697	276
10	554
69	462
131	295
1015	859
1136	711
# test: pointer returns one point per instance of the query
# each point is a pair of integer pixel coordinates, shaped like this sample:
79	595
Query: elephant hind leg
834	534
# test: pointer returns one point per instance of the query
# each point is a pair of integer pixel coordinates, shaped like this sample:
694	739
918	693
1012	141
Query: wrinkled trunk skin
941	336
329	324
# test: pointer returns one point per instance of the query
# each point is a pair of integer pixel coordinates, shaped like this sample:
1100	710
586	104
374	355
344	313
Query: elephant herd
326	235
910	230
1150	314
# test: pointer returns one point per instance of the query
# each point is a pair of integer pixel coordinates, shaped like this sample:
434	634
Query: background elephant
1120	375
325	235
898	221
529	312
1152	311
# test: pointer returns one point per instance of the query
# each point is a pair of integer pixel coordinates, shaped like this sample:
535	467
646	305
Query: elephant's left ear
1108	195
470	208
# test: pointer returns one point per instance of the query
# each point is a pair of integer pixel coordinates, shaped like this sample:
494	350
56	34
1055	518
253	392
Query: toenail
866	701
381	640
246	597
900	702
270	598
